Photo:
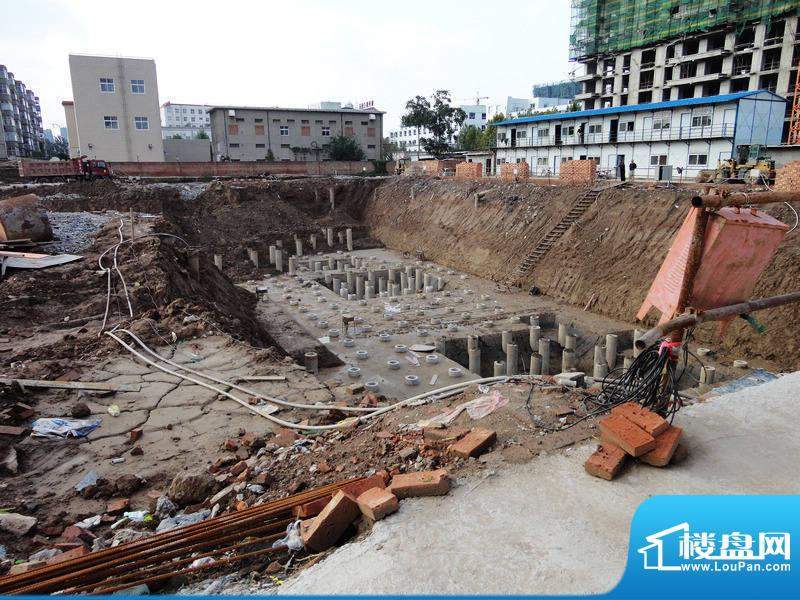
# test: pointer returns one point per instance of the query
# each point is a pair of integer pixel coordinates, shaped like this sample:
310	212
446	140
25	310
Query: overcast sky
293	53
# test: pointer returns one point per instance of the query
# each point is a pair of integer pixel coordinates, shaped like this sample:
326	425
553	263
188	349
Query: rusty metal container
737	247
23	217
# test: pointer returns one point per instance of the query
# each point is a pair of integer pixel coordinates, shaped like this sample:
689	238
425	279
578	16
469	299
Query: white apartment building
185	120
114	114
691	134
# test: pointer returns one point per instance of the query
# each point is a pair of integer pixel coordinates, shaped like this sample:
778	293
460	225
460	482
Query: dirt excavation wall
607	260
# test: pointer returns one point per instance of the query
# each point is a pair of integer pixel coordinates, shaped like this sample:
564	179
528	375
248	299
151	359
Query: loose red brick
285	437
311	509
357	488
69	555
421	483
324	530
134	435
475	443
666	444
11	430
651	422
431	434
231	444
117	506
238	468
619	431
680	455
377	502
606	462
25	567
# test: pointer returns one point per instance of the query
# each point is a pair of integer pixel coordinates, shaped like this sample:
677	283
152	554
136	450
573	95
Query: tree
201	135
390	148
469	138
177	136
58	148
342	147
418	115
444	121
270	156
488	137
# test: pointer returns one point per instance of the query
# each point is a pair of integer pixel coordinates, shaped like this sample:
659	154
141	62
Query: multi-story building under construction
642	51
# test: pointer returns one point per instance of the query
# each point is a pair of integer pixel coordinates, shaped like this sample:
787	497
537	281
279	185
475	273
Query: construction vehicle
750	165
78	168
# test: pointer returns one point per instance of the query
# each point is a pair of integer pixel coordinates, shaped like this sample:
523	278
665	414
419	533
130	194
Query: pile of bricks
633	431
325	521
578	172
787	177
469	170
515	171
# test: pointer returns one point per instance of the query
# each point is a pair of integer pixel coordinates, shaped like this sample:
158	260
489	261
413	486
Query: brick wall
787	177
239	169
469	170
578	172
523	171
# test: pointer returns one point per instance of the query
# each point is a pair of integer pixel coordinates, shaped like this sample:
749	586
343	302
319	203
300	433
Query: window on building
137	86
233	129
284	130
193	119
285	145
501	136
259	130
483	115
141	123
701	121
258	120
370	146
111	122
233	145
332	122
598	128
290	120
658	159
542	133
276	120
326	131
305	130
698	159
183	110
522	134
370	132
240	119
260	145
365	123
662	123
318	121
191	110
107	85
349	131
626	126
541	161
472	115
304	121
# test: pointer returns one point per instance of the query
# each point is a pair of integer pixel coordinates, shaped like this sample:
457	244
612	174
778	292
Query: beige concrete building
115	115
242	133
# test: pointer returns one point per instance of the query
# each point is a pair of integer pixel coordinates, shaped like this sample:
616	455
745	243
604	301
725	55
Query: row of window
285	146
655	160
108	86
660	123
140	123
184	110
305	130
179	120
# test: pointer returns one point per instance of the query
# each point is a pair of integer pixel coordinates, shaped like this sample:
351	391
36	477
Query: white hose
342	424
247	391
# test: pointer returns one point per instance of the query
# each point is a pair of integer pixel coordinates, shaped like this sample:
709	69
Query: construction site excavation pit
399	325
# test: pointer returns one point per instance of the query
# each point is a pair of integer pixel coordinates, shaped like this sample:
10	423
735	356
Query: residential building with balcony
246	133
691	49
692	134
21	132
114	113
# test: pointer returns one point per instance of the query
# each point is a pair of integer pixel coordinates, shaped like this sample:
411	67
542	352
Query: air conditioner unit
231	113
372	117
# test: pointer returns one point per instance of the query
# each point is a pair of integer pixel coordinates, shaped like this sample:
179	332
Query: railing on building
687	132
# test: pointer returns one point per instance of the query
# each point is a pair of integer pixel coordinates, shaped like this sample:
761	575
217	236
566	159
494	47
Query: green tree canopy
343	147
438	116
201	135
488	137
469	138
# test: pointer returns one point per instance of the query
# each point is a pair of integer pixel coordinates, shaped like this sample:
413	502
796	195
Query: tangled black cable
652	378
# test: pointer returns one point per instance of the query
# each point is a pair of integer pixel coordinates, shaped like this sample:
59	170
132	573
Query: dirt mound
607	260
52	317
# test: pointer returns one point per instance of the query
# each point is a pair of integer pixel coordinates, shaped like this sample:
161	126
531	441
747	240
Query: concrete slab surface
546	527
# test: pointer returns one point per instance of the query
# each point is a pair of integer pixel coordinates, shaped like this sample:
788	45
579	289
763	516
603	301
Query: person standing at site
632	169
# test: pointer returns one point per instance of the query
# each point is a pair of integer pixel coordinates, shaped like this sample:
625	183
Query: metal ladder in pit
548	241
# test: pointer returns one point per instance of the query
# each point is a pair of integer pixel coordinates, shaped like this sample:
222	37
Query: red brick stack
578	172
787	178
523	171
631	430
469	170
438	167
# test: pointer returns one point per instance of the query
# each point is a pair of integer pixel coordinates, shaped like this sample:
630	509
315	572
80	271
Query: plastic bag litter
476	408
179	520
57	427
137	516
89	479
202	562
292	539
113	410
89	522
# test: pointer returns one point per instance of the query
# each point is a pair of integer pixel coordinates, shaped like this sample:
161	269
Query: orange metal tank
737	247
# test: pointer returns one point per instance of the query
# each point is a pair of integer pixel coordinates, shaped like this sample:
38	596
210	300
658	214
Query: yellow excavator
751	165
